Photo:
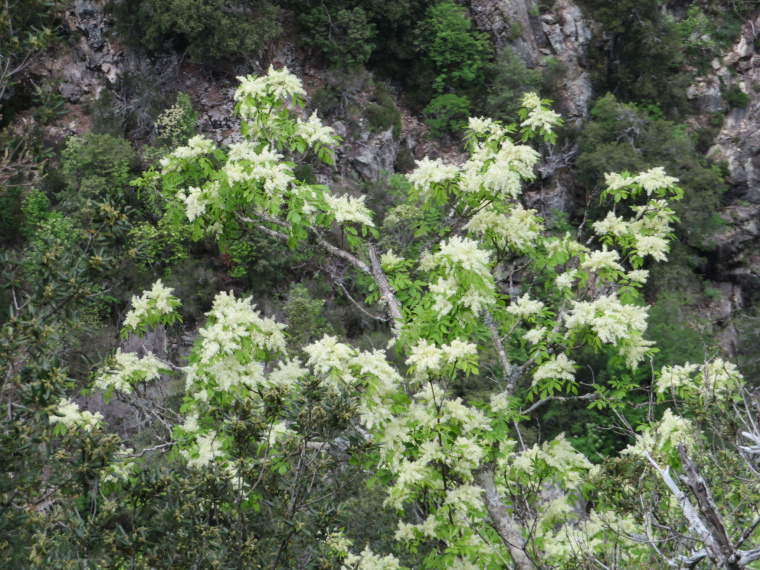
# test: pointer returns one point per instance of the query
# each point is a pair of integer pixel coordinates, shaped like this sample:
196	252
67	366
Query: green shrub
175	126
511	78
647	60
447	114
384	114
460	55
305	321
97	156
205	29
346	37
736	98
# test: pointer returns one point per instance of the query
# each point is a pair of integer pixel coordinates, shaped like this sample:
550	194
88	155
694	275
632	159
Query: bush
205	29
346	37
175	126
384	114
511	79
736	98
460	55
447	114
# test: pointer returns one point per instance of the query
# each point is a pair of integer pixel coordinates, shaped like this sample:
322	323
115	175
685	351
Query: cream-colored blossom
655	179
430	172
313	131
127	369
158	299
534	336
638	275
328	354
670	431
558	367
602	260
611	224
525	306
519	229
349	209
565	280
206	449
652	245
68	414
615	181
389	260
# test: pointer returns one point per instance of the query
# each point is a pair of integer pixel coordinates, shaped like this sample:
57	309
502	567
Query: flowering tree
495	278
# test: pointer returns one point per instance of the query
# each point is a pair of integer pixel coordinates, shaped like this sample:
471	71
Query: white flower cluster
557	367
155	302
534	336
313	131
665	434
206	448
121	469
525	307
539	117
713	379
366	560
465	274
237	325
604	259
279	84
496	165
389	260
610	319
429	172
129	369
655	179
327	354
426	359
265	167
604	534
565	280
196	146
651	225
611	224
518	230
68	414
651	180
483	126
348	209
613	323
558	455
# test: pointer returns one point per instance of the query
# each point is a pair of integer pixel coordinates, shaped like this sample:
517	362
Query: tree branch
688	510
375	271
502	521
709	509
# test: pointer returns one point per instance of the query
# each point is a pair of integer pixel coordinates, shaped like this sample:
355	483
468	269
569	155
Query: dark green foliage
736	98
624	137
205	29
176	125
460	55
383	113
103	157
345	36
11	218
305	321
447	114
511	78
676	327
640	57
259	261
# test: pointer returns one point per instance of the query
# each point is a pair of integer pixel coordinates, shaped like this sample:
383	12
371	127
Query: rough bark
502	521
